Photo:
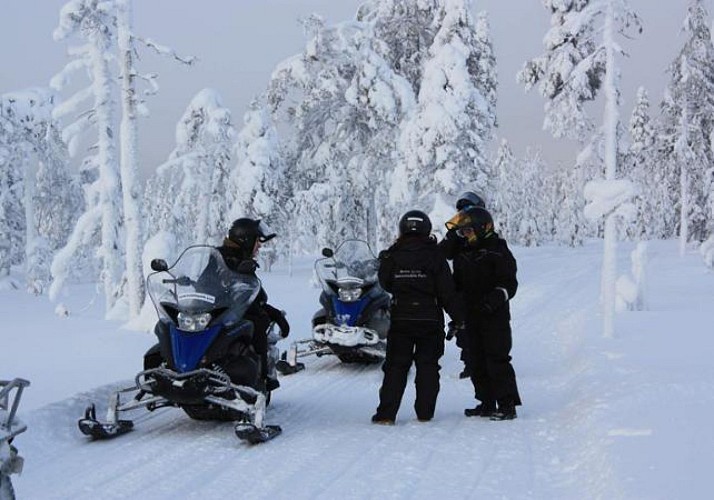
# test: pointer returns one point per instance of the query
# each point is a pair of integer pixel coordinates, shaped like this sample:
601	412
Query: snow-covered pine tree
531	216
688	121
570	225
378	99
407	29
342	104
503	199
257	186
93	22
189	190
50	196
443	146
13	154
581	51
642	168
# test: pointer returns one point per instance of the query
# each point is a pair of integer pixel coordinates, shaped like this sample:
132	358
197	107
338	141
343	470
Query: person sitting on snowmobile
239	250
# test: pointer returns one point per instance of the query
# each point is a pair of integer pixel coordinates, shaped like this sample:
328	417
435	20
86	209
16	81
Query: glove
492	301
279	317
451	235
455	329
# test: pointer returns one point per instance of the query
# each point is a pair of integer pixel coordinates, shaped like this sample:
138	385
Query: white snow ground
628	417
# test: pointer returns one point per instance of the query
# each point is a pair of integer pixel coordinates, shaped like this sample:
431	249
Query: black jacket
417	275
452	244
486	272
233	256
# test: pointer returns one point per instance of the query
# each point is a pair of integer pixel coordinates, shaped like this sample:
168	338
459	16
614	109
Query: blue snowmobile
354	319
204	362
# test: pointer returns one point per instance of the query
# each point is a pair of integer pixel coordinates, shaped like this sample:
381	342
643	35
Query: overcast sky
239	42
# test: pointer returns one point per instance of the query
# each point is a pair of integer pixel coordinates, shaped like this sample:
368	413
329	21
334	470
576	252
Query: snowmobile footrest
286	368
254	435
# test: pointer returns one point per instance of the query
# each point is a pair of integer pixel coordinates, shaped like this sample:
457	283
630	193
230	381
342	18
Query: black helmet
470	199
245	231
476	218
415	222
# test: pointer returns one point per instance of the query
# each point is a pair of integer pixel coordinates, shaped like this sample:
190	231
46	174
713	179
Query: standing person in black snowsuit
239	250
451	246
485	274
417	275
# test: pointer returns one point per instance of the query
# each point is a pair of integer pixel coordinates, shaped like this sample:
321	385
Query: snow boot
506	411
380	420
271	384
482	410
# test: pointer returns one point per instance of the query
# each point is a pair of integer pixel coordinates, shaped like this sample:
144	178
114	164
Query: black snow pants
404	346
492	374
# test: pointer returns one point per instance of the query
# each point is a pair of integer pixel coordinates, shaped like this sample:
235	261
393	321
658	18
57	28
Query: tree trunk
128	161
611	120
110	251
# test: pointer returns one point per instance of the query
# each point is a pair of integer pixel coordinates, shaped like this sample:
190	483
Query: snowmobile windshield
200	282
352	265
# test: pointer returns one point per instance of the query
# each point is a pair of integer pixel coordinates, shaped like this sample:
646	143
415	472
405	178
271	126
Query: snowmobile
354	319
10	426
204	362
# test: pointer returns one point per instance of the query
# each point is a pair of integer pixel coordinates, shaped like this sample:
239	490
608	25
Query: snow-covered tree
257	186
189	191
343	104
407	28
581	51
688	121
642	167
443	145
45	190
94	23
13	151
530	216
502	201
132	106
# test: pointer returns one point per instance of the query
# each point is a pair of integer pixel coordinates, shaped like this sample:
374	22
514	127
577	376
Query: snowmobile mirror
327	252
159	265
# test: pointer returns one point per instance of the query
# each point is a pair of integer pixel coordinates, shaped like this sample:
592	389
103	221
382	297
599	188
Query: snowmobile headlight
193	322
349	294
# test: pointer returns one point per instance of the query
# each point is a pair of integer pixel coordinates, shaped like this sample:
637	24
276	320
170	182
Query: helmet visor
265	233
458	221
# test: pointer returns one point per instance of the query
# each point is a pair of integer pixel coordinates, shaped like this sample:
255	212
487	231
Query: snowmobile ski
286	368
255	435
90	426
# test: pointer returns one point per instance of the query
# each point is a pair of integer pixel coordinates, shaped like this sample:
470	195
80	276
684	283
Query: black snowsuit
417	275
260	313
485	274
451	246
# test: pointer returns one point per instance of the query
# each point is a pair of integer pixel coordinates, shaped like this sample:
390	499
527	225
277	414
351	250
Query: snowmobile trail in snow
329	449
